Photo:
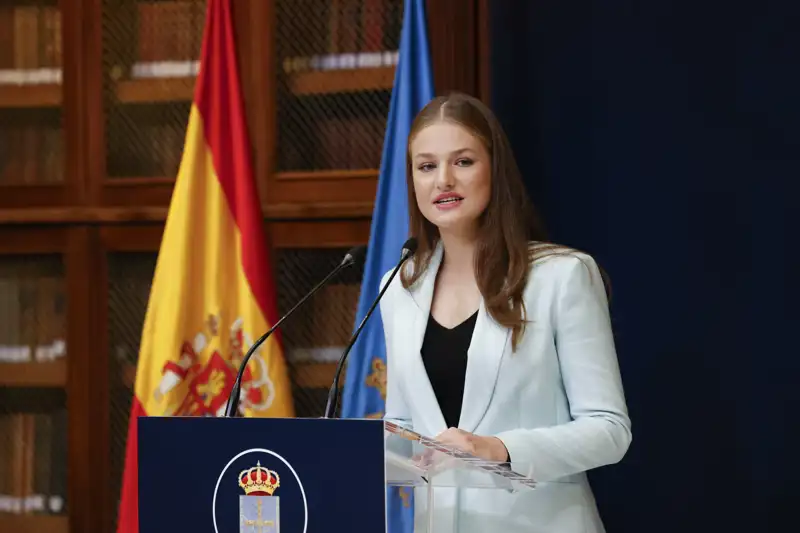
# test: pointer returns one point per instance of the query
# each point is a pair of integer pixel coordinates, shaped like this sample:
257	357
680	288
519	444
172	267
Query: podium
297	475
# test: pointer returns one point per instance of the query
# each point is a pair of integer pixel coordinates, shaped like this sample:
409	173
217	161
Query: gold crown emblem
259	481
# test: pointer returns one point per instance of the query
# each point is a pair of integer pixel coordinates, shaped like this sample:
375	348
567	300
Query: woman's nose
444	178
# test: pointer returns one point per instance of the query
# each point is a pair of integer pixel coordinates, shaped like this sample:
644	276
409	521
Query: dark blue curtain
664	138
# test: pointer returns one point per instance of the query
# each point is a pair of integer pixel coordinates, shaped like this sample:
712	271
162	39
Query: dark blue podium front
226	475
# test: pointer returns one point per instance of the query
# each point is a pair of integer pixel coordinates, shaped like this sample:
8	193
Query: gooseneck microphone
409	248
354	256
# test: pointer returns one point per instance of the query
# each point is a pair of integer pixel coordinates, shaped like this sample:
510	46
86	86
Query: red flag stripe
218	99
128	521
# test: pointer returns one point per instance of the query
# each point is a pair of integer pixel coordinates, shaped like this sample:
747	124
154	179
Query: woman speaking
498	343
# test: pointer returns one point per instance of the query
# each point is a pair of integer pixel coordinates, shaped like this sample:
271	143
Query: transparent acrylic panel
415	460
433	487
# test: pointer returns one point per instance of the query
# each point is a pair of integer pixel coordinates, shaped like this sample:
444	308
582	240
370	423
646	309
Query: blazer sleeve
599	432
396	409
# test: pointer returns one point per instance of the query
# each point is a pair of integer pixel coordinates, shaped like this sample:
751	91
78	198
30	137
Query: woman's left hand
489	448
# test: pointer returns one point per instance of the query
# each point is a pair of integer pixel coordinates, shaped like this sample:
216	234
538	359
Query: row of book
31	153
169	31
32	319
146	149
309	27
290	65
318	137
345	61
33	462
344	34
30	37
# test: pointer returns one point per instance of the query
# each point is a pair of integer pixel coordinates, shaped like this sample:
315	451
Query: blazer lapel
420	386
483	366
485	354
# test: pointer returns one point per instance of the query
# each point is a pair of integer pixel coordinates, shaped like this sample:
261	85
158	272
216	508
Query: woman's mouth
451	201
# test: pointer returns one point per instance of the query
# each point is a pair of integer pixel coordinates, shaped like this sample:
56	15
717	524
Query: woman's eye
464	162
426	167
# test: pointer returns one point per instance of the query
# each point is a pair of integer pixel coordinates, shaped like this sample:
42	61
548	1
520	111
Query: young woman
498	343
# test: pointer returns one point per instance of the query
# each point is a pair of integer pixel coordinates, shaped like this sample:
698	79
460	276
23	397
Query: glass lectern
440	475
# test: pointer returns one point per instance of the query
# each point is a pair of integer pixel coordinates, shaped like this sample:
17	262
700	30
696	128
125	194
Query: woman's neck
459	254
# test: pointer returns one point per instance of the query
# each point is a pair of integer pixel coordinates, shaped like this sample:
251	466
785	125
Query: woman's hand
489	448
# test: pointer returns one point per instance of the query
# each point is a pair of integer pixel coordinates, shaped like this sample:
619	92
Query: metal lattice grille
130	277
151	54
31	138
33	420
313	337
336	64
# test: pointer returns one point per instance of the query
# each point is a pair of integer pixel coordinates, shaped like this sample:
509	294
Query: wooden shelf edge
82	215
161	90
23	523
340	81
158	214
156	90
49	374
352	210
30	96
325	175
143	181
52	188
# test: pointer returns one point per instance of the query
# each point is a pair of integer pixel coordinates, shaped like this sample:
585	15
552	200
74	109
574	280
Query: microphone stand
233	400
333	394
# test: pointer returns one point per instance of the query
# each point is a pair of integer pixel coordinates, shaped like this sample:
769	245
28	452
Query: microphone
409	248
353	256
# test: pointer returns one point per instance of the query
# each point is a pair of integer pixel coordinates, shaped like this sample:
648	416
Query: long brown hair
508	225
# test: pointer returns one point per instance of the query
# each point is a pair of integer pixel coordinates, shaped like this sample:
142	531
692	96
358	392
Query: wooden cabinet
34	380
94	102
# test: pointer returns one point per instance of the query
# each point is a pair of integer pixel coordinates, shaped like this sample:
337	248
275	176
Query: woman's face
451	169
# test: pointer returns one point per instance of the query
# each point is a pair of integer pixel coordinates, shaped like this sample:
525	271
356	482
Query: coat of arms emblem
199	381
259	510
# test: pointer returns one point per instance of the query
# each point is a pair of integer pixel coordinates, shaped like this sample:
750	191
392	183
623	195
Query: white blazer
557	403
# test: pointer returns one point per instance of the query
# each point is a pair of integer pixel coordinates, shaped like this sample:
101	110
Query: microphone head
356	255
409	247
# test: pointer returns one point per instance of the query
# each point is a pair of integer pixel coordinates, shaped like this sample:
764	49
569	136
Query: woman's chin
453	222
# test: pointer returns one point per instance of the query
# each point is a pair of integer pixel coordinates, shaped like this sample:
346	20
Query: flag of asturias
212	293
364	393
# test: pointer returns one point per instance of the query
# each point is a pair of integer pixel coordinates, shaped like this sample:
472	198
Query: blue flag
365	382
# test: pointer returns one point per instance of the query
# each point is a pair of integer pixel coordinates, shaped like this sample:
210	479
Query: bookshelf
31	150
33	382
94	101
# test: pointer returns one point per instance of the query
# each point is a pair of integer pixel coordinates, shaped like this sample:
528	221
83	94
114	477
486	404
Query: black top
444	353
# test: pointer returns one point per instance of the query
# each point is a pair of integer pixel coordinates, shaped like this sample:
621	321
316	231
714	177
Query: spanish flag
212	294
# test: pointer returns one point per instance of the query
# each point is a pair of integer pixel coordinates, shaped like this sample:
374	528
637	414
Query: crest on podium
259	507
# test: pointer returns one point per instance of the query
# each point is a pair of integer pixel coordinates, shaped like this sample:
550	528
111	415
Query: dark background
664	138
